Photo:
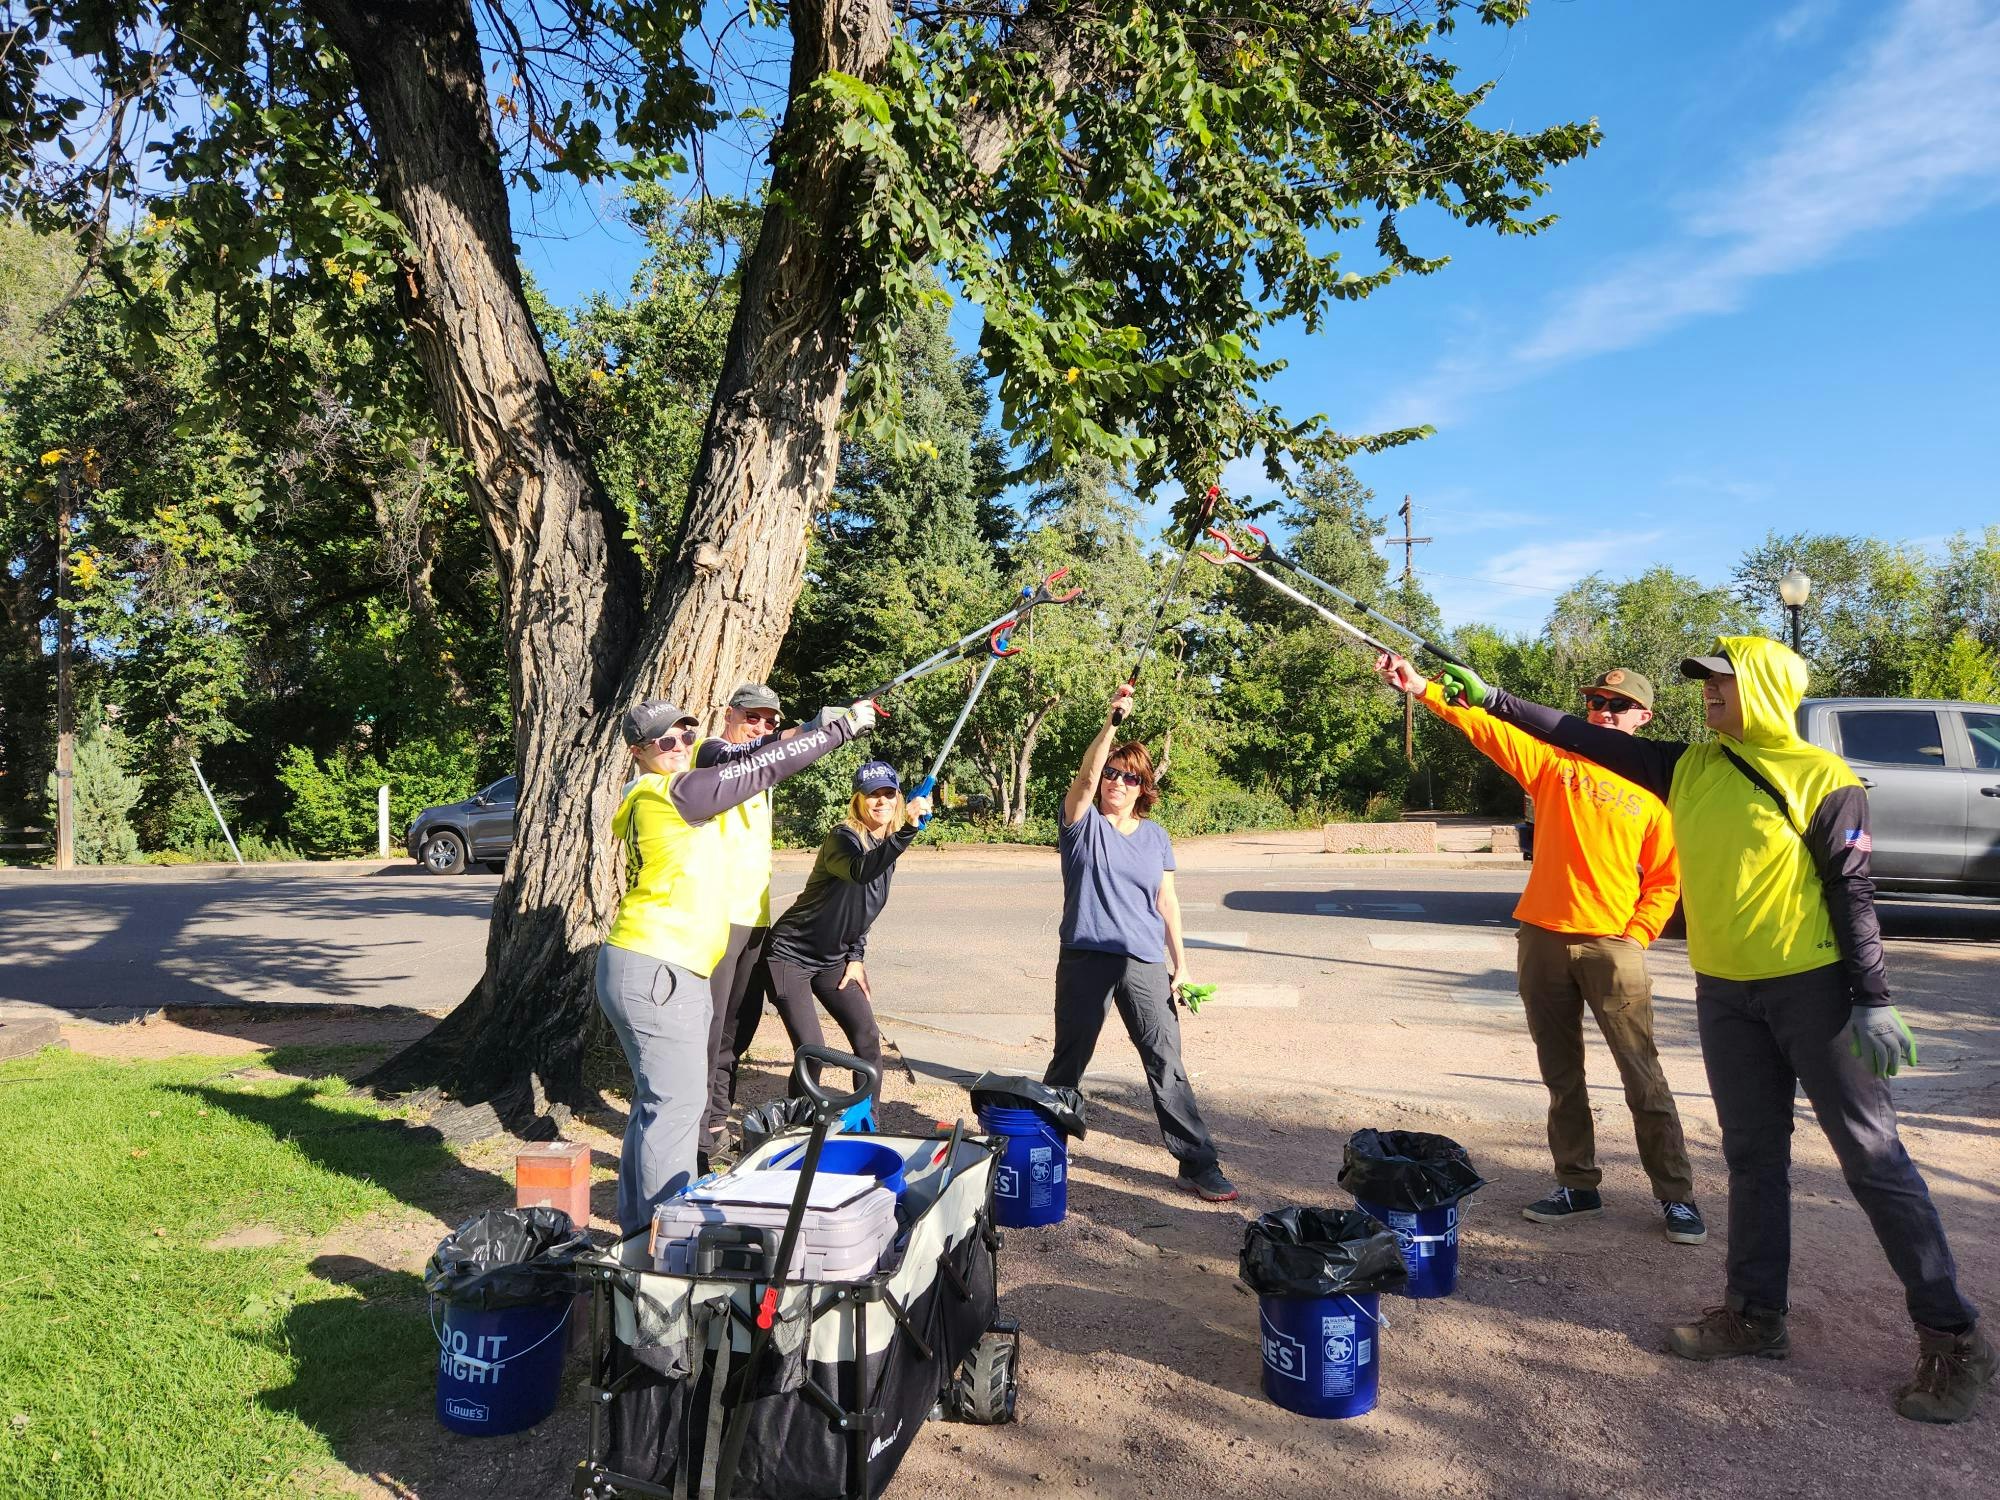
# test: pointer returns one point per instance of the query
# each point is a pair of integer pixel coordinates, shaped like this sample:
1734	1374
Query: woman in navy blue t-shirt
1121	940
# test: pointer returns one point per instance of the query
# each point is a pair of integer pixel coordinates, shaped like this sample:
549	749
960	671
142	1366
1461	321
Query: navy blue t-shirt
1111	887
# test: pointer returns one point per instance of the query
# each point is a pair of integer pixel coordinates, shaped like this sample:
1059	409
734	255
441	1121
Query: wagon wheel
985	1389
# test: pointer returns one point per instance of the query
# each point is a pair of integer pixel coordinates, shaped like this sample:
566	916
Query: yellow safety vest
675	906
746	860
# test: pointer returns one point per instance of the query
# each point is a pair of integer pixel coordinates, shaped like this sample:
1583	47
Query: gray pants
1761	1041
660	1012
1086	983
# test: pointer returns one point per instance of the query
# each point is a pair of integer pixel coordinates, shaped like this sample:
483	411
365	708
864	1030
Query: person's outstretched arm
1646	763
1514	751
705	792
1083	789
844	859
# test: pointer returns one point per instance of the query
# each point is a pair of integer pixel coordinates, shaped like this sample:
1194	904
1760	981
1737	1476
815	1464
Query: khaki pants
1561	973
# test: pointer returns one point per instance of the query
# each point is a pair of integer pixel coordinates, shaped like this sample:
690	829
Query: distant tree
104	794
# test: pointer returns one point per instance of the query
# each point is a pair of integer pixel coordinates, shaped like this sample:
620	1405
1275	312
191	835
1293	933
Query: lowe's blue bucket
1030	1181
499	1371
1322	1355
1429	1241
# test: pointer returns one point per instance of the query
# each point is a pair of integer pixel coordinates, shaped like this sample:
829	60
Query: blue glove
1463	685
1876	1034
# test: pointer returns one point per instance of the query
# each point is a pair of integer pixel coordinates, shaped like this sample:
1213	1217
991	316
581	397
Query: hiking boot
1566	1206
1209	1183
1731	1333
1952	1369
1683	1224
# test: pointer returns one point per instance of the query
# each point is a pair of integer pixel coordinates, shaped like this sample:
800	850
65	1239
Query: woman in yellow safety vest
673	926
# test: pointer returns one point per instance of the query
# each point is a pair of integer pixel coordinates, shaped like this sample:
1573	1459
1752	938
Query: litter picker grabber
826	1108
1248	565
1173	587
929	784
993	636
1266	553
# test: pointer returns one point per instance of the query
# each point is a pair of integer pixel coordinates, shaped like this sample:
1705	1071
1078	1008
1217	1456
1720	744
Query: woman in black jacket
816	947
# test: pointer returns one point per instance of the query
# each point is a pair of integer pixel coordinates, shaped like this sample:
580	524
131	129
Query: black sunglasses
1130	778
1602	704
677	737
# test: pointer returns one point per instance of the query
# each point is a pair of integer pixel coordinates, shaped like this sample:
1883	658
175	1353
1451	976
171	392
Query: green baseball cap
1626	683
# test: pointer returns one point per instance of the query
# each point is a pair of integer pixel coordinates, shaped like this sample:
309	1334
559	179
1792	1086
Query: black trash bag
1407	1170
780	1115
508	1257
1320	1252
1062	1108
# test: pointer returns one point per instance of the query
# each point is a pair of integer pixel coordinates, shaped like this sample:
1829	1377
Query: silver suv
1932	770
479	830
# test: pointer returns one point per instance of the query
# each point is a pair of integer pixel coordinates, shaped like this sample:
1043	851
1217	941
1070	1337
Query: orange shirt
1604	848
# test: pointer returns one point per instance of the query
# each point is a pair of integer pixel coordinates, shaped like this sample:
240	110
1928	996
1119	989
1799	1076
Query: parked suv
480	829
1932	770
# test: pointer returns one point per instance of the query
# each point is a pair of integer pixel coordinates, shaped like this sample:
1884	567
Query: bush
103	795
334	804
255	850
1227	809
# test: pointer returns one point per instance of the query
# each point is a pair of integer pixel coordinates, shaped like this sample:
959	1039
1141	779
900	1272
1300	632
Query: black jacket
847	890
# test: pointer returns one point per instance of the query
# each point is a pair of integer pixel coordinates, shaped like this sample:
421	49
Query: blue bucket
1030	1181
1429	1240
856	1159
499	1371
1322	1355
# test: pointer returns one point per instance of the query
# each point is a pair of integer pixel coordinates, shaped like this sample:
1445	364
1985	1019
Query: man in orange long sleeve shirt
1603	885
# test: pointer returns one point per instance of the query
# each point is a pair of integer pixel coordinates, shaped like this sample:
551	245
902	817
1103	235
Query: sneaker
1731	1333
1209	1183
1565	1206
1952	1369
1684	1225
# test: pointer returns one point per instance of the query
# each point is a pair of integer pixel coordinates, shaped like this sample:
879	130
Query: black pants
794	989
1761	1041
739	1006
1086	983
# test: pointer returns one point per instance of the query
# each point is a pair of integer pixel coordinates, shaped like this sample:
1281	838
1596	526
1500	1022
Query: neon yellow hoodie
1751	882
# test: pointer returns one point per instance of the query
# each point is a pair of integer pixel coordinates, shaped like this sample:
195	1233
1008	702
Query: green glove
1876	1034
1463	685
1192	995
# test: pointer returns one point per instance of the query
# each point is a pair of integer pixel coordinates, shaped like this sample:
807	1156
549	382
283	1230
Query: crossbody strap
1763	784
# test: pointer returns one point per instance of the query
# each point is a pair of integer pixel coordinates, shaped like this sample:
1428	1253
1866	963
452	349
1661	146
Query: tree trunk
1024	762
584	639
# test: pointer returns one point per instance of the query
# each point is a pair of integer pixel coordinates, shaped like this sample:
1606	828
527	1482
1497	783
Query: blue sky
1771	302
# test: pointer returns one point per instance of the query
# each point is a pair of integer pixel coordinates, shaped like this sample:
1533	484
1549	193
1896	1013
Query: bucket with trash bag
1415	1184
1036	1122
1319	1274
507	1283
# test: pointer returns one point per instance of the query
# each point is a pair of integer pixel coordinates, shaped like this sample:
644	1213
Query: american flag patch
1857	838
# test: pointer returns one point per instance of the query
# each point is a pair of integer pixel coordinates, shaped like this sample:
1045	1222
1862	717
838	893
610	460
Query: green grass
136	1362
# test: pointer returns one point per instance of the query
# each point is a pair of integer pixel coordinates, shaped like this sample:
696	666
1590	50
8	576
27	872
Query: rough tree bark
585	638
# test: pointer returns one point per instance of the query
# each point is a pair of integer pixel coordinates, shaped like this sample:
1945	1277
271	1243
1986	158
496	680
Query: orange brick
555	1175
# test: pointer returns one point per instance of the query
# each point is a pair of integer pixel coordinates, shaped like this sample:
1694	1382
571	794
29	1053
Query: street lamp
1794	588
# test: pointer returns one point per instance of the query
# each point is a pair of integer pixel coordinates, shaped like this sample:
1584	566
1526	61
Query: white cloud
1912	124
1802	21
1518	586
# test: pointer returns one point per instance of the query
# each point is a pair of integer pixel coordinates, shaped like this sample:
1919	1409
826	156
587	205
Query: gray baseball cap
652	718
1707	666
754	695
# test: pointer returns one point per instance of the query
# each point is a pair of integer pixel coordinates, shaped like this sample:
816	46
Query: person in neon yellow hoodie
1790	992
673	927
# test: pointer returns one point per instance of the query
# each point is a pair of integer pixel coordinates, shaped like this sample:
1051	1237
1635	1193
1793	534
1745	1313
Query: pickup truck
1932	769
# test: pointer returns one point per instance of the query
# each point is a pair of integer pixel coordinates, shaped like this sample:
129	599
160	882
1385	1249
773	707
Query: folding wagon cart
692	1398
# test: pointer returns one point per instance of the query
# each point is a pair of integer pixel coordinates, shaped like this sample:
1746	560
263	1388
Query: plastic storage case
732	1225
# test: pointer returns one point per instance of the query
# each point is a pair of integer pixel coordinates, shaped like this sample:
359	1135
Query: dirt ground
1141	1370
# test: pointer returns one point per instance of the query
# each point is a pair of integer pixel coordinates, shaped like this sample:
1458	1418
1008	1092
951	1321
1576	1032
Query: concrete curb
284	869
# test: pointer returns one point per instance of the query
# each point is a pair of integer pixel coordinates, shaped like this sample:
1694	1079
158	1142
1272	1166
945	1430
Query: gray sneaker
1566	1206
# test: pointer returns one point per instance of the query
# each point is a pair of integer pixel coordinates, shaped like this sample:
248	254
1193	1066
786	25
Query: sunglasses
674	739
1600	703
759	716
1130	778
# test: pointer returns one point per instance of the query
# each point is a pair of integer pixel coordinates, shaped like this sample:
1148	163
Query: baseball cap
876	776
1626	683
754	695
1708	666
650	719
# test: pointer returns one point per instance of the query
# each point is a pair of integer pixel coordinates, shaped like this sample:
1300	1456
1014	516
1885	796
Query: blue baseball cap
877	776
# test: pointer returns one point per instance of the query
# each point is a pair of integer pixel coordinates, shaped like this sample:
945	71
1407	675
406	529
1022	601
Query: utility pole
65	730
1409	544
